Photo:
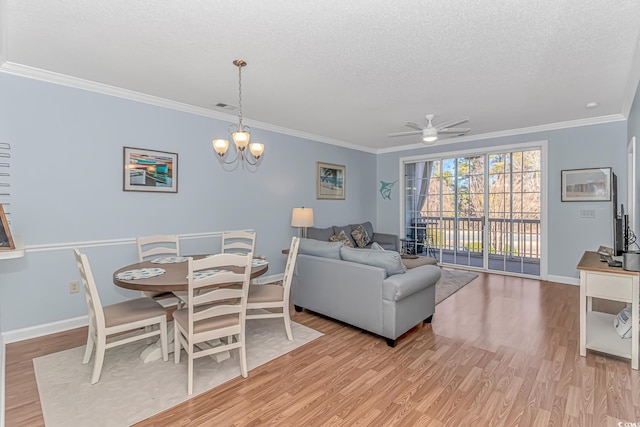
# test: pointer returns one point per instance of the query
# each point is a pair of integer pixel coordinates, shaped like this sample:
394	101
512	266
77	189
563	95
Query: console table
597	333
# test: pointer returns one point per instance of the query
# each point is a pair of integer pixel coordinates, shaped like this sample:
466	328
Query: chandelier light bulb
256	149
220	146
241	139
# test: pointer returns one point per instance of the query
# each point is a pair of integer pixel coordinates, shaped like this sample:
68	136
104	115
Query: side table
597	332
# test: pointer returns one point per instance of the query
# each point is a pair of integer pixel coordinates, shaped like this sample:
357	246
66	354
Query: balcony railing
511	238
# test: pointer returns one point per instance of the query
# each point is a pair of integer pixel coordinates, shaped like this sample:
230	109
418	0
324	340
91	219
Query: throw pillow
342	238
361	236
376	247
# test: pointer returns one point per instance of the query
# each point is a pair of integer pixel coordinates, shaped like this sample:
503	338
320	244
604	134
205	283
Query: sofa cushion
376	247
323	234
342	238
361	237
347	231
321	249
389	260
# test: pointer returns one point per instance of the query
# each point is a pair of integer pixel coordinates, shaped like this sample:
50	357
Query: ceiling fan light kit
430	135
430	132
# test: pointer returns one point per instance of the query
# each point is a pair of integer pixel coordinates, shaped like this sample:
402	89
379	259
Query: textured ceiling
348	71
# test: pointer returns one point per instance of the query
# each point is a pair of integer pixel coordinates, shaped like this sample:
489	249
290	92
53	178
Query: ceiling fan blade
414	125
454	130
412	132
451	123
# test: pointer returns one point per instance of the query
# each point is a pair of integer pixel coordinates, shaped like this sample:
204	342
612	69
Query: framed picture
6	241
150	170
330	181
586	185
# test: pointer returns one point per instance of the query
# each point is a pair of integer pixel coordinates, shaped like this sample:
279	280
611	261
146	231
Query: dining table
169	274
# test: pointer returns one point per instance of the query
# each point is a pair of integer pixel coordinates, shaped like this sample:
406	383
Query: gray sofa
379	299
390	242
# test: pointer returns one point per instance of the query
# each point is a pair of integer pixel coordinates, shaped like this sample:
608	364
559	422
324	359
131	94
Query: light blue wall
67	188
574	148
634	119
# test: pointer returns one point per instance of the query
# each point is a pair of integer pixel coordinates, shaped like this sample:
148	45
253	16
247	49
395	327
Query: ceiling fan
430	132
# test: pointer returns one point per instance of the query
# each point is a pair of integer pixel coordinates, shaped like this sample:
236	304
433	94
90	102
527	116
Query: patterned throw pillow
341	237
361	236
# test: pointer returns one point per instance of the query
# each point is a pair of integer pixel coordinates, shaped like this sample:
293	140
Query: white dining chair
239	241
158	245
107	324
263	299
151	247
216	309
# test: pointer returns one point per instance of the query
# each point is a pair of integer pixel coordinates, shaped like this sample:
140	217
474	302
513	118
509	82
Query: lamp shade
430	135
256	149
302	217
221	146
241	139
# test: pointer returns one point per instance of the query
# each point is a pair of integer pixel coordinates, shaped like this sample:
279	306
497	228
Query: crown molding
65	80
532	129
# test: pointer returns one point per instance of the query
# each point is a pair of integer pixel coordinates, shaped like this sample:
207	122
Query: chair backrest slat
161	244
216	311
210	296
238	242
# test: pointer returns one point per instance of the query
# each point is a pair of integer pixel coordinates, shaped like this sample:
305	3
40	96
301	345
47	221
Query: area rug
451	281
130	391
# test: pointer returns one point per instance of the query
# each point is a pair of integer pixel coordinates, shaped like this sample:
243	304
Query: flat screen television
620	221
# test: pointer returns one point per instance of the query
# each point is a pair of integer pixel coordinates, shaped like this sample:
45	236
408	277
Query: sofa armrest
388	241
400	286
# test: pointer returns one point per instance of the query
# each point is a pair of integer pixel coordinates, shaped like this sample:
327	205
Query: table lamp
302	218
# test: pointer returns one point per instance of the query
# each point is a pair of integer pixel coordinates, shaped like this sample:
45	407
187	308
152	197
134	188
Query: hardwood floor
502	351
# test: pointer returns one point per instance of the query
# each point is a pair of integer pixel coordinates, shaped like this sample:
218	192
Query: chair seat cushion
265	293
132	311
182	317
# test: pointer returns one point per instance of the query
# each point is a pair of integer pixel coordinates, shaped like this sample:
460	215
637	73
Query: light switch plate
587	213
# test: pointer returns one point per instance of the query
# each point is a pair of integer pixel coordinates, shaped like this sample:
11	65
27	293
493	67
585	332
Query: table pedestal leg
154	351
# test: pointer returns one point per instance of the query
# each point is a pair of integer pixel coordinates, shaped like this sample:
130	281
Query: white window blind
5	178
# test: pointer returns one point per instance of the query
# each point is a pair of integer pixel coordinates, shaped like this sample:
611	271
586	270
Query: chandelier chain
240	95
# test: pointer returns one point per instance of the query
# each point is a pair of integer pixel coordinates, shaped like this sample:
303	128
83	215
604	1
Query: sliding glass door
477	210
514	212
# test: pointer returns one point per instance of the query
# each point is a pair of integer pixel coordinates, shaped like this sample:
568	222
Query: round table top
173	279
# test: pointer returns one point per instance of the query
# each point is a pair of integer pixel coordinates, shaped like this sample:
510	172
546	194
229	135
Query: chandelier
240	134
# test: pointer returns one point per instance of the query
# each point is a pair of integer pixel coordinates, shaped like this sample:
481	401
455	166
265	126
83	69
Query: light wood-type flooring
502	351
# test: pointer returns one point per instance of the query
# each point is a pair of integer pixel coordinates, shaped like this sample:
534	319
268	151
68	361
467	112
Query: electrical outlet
74	287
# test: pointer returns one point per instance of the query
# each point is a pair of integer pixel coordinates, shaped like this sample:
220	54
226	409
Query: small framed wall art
150	170
330	181
586	185
6	241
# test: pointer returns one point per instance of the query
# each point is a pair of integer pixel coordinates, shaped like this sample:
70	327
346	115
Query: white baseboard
564	279
46	329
